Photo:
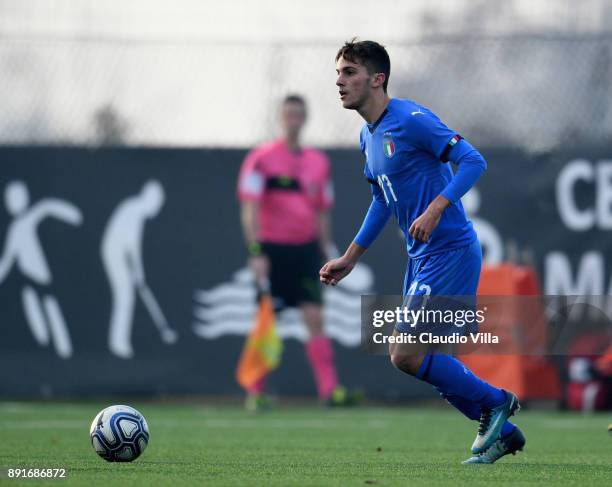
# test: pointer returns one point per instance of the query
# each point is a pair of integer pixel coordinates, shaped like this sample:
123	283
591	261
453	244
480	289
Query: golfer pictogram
121	251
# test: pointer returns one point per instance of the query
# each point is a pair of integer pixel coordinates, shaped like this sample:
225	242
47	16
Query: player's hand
336	270
422	228
260	265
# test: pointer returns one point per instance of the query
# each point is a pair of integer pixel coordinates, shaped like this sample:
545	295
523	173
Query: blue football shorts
442	287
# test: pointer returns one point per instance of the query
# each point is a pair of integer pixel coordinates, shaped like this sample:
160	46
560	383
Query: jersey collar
372	126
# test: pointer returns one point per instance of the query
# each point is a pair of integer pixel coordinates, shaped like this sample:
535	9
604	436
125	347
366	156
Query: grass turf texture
196	445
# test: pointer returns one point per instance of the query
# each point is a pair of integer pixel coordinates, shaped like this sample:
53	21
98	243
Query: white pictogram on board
23	249
121	251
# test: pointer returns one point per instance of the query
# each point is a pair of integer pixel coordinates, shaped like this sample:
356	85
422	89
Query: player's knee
405	362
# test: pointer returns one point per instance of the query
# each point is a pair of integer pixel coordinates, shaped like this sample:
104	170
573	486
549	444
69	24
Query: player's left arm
471	165
446	145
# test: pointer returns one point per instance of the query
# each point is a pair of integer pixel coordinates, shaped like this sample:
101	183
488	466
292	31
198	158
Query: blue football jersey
406	152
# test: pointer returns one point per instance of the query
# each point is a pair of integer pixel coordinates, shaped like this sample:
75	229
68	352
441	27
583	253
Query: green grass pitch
205	445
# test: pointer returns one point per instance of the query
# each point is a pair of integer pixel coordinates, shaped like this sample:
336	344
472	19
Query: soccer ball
119	434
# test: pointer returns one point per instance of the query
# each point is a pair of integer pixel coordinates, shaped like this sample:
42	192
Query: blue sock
449	375
471	410
507	428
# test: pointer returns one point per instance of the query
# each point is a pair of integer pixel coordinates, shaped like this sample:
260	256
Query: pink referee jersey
292	188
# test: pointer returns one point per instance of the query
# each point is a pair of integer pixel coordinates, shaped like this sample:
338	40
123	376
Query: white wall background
202	72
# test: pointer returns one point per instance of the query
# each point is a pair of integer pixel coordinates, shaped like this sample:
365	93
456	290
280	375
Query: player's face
353	83
293	117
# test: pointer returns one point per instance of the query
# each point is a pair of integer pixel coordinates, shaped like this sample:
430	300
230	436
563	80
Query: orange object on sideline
604	363
263	348
529	376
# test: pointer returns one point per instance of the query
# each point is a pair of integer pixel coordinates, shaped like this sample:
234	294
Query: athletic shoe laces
485	419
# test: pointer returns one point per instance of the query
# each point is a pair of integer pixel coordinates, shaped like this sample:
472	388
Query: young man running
407	149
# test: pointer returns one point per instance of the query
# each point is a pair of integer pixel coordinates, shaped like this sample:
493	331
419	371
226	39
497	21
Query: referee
285	191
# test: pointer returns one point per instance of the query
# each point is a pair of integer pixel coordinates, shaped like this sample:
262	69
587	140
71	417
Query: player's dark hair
371	54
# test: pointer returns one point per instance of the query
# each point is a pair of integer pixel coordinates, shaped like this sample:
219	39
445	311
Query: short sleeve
251	180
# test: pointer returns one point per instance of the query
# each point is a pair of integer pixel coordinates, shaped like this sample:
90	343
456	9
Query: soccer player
286	193
407	149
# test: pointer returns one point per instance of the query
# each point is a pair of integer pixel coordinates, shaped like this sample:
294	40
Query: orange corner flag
263	348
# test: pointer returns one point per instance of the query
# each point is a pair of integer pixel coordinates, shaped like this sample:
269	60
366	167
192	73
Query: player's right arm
377	216
337	269
251	187
375	220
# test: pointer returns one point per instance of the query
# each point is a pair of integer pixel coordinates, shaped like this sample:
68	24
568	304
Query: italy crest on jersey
388	144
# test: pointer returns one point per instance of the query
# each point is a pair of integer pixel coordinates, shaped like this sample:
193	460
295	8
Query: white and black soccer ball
119	434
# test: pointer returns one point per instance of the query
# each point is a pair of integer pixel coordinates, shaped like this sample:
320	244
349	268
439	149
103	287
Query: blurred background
193	73
105	101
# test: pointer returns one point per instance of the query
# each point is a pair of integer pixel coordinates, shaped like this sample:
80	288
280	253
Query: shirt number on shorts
412	291
423	287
